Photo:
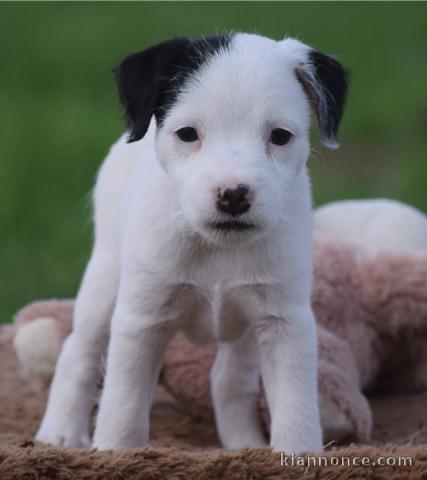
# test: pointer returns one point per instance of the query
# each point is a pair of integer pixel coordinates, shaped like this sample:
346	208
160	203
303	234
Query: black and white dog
203	223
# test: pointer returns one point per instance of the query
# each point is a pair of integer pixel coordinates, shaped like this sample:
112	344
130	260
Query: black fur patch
329	93
149	81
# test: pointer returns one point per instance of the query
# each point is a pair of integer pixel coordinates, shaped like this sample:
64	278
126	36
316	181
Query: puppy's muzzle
235	201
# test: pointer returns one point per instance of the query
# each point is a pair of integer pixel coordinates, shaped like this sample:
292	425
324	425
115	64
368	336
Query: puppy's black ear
143	79
326	83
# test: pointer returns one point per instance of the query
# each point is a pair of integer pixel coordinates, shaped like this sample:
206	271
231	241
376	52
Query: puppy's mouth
231	226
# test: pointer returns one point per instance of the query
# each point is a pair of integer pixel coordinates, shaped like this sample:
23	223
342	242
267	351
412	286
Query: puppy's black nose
234	201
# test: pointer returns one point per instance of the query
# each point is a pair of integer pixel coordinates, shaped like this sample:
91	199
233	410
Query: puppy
203	223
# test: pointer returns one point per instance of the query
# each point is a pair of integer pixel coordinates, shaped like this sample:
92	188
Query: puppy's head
233	120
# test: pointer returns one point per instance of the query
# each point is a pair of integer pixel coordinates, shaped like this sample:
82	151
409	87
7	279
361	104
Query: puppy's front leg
288	351
134	359
74	387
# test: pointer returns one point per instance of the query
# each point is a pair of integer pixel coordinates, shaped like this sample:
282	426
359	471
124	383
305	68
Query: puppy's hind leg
74	386
235	385
288	351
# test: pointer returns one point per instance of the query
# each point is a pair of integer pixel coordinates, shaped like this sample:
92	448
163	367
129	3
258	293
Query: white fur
374	224
156	267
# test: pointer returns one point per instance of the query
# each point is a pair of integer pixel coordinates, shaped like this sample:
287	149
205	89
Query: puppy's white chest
220	314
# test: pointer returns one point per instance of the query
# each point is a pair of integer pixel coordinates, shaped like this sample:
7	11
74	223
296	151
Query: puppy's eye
280	136
187	134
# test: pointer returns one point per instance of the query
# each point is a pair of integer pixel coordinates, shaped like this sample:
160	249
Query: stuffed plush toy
371	309
37	334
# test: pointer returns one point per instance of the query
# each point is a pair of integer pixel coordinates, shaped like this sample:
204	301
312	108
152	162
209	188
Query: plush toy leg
344	410
37	334
37	345
74	388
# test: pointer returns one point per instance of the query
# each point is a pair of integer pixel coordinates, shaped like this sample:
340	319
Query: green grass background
59	113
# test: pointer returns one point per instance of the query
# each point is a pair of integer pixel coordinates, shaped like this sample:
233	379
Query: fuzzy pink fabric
372	331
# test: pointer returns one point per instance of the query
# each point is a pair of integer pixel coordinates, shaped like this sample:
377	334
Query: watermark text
294	460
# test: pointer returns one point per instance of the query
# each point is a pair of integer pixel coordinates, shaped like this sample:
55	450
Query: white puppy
375	224
203	223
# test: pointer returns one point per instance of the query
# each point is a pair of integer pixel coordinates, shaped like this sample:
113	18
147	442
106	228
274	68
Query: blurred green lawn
59	113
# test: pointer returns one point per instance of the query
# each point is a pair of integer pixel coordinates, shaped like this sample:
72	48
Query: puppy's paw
119	441
310	441
65	437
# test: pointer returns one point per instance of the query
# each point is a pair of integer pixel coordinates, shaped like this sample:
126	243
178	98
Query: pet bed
186	447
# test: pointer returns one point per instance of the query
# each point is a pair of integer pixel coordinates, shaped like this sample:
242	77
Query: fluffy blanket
186	447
